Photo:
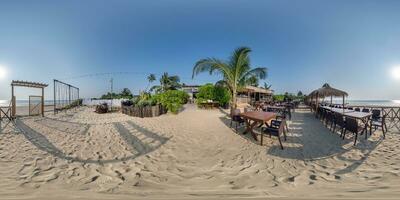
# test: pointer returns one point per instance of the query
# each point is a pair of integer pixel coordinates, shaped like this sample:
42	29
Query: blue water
368	102
24	102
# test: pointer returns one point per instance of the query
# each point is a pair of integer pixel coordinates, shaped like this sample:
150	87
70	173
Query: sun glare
3	72
396	72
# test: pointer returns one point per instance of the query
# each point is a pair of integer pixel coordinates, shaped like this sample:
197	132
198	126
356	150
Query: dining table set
363	117
272	116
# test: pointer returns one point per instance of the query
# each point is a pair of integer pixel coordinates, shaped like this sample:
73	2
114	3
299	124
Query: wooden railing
391	113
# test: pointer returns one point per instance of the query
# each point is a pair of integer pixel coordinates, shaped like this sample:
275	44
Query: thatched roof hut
327	91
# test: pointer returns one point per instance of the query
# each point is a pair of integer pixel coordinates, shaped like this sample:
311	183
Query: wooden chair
277	130
352	126
329	119
366	110
235	117
378	121
339	122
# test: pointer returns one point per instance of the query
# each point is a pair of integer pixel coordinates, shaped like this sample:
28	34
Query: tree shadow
138	147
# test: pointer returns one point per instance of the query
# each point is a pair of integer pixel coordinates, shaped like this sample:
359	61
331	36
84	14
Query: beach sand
192	155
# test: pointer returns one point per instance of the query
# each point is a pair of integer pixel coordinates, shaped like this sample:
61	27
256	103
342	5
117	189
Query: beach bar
251	94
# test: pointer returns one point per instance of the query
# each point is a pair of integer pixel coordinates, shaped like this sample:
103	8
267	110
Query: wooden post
69	94
316	106
12	102
54	99
343	102
42	102
78	98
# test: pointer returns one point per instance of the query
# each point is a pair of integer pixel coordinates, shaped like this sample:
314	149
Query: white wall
113	102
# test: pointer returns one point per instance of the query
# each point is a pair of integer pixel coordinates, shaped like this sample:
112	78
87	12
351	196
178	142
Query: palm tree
151	78
253	81
236	71
266	86
167	82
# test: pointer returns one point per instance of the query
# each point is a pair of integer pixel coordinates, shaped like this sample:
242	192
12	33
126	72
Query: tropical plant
126	93
206	92
167	82
266	86
236	71
173	100
213	92
278	97
253	81
222	95
151	78
300	94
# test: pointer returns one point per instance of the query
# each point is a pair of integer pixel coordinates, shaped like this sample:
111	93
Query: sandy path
190	155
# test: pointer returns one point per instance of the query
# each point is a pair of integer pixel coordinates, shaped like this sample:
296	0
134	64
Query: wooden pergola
25	84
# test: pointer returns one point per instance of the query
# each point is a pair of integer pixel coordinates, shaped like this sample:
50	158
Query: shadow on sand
138	147
64	126
309	140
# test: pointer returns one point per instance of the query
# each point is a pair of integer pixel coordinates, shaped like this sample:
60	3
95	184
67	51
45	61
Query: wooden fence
392	114
146	111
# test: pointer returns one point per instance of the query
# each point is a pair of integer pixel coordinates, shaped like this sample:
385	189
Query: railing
392	114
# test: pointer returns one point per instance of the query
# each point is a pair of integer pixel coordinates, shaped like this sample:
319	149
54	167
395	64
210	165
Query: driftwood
143	111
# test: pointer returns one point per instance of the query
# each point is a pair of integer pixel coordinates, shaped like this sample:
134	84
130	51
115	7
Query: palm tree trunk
234	99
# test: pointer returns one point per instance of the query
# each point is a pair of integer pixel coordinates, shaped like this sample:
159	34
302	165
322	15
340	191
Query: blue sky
353	45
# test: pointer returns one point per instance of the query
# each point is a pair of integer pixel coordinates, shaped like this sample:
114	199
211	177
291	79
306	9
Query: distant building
192	90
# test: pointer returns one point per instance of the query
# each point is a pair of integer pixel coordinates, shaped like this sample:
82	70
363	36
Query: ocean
369	102
24	102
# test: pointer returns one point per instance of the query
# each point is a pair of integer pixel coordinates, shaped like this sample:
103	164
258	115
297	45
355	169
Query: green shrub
206	92
278	97
75	103
172	99
222	95
143	103
215	93
135	100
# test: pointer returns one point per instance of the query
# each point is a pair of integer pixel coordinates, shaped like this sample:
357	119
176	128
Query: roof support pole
42	102
12	102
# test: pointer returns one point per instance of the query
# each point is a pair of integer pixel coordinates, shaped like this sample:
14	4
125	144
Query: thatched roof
256	89
326	91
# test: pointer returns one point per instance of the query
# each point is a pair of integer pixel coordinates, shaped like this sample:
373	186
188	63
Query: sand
192	155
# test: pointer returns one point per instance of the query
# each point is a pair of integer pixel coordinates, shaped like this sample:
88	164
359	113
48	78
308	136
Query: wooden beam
12	102
42	102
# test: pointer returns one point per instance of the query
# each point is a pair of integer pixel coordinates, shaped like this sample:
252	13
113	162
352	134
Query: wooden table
338	110
209	105
364	117
252	118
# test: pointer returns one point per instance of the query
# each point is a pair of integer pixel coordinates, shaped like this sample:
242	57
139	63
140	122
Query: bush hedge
214	93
